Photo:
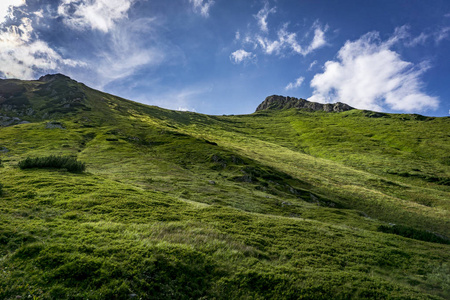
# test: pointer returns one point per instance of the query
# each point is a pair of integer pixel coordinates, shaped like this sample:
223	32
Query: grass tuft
52	161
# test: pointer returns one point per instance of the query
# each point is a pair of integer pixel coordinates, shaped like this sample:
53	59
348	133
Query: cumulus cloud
23	54
370	75
202	6
93	14
262	15
7	8
241	55
293	85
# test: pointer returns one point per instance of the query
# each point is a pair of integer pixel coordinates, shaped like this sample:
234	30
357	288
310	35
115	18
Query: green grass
174	205
69	236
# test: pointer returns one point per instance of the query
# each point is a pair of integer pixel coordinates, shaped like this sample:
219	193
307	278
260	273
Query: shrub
1	189
413	233
52	161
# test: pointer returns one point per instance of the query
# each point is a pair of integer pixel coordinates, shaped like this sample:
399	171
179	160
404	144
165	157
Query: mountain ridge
13	98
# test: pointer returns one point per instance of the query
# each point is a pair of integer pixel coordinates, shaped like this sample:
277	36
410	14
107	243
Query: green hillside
279	204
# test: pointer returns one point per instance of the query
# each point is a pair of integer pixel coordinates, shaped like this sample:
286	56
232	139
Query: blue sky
226	56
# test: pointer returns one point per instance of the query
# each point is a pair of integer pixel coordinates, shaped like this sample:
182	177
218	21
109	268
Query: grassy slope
284	204
387	175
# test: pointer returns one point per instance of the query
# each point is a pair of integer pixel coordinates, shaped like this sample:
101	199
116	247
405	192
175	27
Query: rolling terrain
284	203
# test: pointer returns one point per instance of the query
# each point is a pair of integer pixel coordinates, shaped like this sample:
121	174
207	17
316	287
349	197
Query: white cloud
237	35
93	14
117	53
202	6
293	85
369	75
248	40
241	55
262	15
285	43
7	7
312	65
186	109
418	40
442	34
39	13
183	99
121	53
289	41
22	55
319	38
402	33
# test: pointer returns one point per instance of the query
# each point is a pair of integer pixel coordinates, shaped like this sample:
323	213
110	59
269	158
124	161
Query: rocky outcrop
280	102
53	77
54	125
6	121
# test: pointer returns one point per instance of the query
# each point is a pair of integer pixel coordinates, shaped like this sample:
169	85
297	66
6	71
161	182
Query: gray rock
246	178
9	121
53	77
29	111
280	102
54	125
285	203
314	198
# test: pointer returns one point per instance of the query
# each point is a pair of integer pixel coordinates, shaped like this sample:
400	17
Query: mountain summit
280	102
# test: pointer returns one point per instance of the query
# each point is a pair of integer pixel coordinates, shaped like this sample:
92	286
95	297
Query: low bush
52	161
413	233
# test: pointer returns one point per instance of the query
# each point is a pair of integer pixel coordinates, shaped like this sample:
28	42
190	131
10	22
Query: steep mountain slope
283	203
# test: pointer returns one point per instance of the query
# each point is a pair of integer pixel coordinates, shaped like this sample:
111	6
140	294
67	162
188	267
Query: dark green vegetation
53	162
285	204
412	233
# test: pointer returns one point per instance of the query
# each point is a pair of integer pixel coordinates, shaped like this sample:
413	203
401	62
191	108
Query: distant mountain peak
52	77
276	102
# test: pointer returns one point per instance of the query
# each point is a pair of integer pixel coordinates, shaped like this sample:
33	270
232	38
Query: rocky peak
280	102
52	77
